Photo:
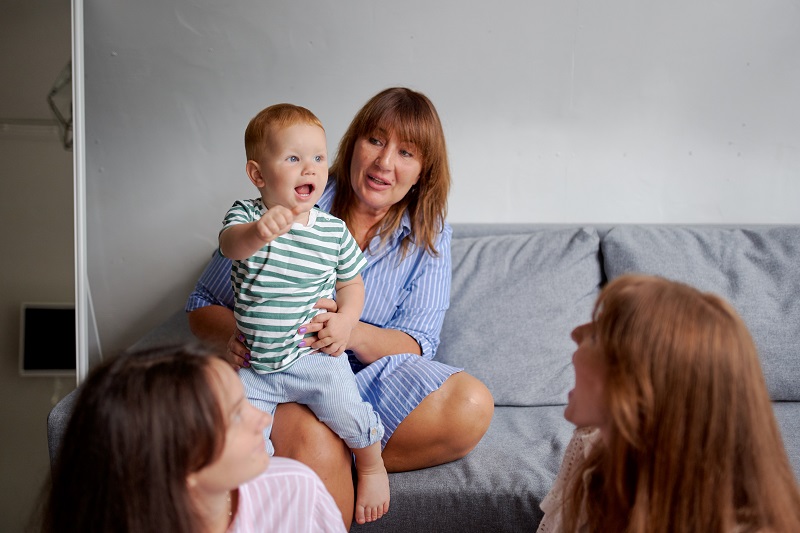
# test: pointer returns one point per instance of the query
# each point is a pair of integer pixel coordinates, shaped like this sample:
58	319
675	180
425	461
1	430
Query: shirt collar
405	225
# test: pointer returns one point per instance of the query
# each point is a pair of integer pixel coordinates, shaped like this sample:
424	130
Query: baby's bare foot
372	500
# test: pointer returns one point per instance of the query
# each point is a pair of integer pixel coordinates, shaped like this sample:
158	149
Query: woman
165	441
675	427
389	183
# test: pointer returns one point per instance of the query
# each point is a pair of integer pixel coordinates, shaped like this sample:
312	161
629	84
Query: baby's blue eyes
295	159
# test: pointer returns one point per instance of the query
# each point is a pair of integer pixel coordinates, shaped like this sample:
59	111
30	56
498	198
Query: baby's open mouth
305	189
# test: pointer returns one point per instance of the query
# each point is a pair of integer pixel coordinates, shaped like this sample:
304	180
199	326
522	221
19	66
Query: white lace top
583	439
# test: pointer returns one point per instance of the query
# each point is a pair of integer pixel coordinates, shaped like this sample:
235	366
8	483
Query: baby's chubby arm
243	240
339	325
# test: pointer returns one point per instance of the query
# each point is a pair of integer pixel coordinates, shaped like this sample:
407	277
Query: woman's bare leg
297	434
444	427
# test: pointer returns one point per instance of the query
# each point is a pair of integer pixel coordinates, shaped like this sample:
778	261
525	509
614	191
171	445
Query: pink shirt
289	497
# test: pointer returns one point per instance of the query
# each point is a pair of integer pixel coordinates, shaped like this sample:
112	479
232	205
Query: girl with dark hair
165	440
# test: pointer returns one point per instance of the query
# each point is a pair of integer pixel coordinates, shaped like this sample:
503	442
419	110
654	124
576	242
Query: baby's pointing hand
276	221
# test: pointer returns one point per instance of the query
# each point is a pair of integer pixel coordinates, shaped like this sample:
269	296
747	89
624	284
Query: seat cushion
497	487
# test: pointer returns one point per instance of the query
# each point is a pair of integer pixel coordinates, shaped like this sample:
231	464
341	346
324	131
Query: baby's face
294	167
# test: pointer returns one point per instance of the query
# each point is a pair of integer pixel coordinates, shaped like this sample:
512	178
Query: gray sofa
518	290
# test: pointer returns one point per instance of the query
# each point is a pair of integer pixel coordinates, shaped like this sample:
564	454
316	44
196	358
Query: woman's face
244	455
587	404
383	170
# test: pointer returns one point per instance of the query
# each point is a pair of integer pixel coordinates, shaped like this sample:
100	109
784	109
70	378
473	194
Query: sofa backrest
514	300
756	269
519	290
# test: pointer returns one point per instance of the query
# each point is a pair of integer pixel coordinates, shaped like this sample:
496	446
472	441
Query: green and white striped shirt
277	288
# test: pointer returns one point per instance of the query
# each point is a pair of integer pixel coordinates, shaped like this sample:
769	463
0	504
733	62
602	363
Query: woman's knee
453	418
299	435
470	409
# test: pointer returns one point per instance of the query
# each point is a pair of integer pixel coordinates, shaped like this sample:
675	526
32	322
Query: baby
287	254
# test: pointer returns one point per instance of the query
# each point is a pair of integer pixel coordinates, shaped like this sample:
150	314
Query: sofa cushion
513	303
756	269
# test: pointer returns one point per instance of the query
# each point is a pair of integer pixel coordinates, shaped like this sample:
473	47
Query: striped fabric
276	289
410	295
327	386
288	498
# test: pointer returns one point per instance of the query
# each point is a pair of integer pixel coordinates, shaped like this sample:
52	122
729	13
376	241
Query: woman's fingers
237	355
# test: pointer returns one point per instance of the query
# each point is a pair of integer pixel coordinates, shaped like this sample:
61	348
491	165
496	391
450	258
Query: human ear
254	173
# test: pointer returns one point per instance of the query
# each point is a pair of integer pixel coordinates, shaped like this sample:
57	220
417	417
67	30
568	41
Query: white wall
37	261
554	111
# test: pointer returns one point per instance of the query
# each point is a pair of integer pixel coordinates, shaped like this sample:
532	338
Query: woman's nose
384	159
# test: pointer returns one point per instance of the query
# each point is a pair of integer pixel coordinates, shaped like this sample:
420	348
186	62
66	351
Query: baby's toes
360	514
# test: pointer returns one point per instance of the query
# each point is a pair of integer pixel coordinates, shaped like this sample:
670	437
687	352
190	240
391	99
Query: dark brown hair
412	117
141	424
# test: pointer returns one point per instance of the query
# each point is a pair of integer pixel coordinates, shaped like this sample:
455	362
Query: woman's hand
237	353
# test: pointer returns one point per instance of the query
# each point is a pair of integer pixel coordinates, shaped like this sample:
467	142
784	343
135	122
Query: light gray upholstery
756	269
516	297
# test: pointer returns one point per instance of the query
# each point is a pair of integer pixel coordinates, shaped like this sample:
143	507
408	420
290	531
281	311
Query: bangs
408	130
408	119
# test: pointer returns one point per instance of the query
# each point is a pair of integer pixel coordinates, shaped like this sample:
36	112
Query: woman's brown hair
693	445
141	424
412	117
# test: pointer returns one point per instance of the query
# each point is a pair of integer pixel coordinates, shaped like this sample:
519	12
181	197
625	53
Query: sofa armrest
174	330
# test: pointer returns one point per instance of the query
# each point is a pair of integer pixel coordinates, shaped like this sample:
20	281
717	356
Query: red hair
693	445
274	117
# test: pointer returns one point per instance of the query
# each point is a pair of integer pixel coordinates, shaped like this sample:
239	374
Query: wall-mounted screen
47	339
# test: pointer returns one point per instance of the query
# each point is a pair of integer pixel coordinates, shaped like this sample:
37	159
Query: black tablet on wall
47	339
